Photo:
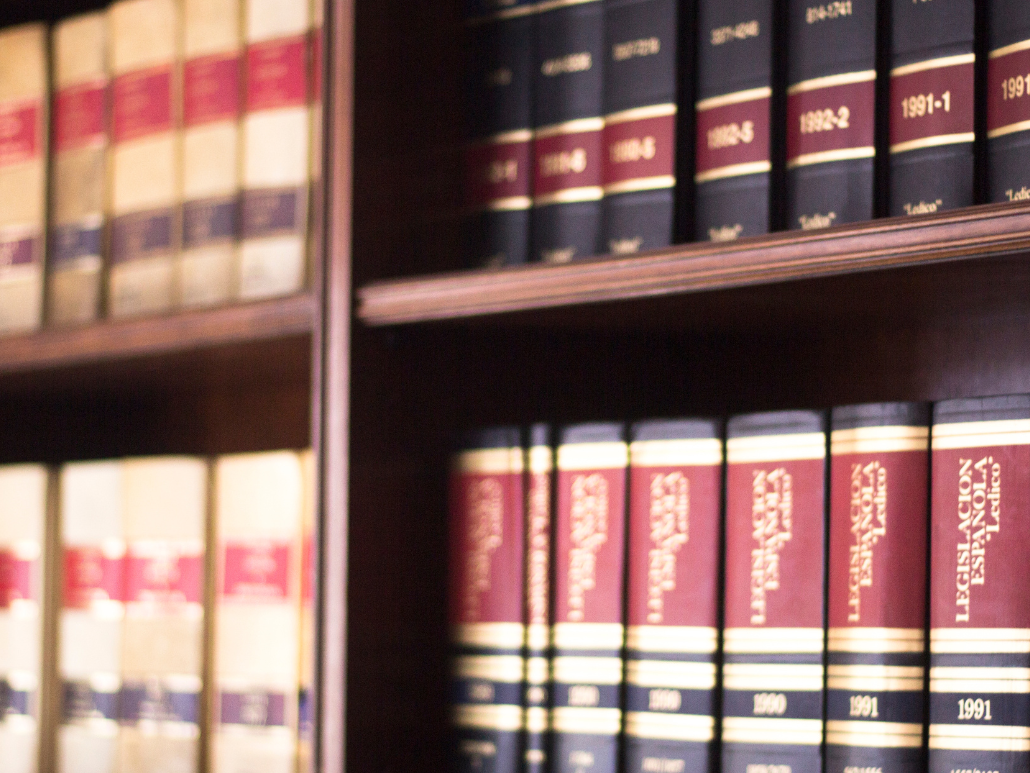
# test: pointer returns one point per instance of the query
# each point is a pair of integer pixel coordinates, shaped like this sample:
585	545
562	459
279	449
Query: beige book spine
213	35
24	134
308	642
316	220
79	176
146	189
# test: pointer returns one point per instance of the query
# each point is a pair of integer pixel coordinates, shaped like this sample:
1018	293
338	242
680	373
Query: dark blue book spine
1008	100
568	141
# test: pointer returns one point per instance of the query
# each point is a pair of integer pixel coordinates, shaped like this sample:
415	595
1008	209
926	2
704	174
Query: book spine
733	156
1008	100
876	659
498	158
831	112
588	632
79	179
486	603
772	696
568	143
24	112
639	162
308	637
932	106
317	197
979	619
539	527
146	189
673	596
276	152
213	42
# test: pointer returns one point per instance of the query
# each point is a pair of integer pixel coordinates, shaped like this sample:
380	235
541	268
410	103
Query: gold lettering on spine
771	527
484	534
670	530
868	524
589	531
539	548
979	515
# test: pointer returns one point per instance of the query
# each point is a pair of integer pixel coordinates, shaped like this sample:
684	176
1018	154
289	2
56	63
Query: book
24	588
641	55
317	188
932	106
876	638
146	182
91	617
276	149
79	179
733	156
831	112
308	614
255	686
588	632
979	618
773	661
1008	100
165	520
675	520
24	113
498	158
212	79
487	505
568	144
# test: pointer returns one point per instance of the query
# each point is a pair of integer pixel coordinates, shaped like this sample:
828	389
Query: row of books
803	115
788	592
127	644
176	146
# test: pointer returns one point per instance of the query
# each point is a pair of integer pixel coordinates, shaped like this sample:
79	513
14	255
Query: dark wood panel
18	11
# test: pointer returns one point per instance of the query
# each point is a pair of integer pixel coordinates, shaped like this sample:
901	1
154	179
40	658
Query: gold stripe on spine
736	98
640	113
593	456
549	5
1012	48
675	453
488	717
933	142
875	677
874	440
541	459
587	670
890	735
568	719
973	434
733	170
509	204
538	670
979	640
642	184
826	156
672	638
537	719
794	677
1011	128
988	738
670	727
744	640
506	138
875	639
1013	681
828	81
494	668
570	195
538	636
578	126
490	461
776	448
508	636
800	732
935	64
673	674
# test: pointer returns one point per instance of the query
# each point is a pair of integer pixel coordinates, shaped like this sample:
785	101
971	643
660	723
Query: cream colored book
276	149
24	98
317	197
91	616
165	511
23	523
211	154
79	179
146	188
257	627
308	642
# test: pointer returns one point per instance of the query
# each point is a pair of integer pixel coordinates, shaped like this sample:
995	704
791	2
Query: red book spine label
830	120
143	104
733	135
20	139
92	574
80	116
1008	90
932	103
16	575
567	163
211	89
774	544
19	252
164	573
277	73
498	172
256	570
640	152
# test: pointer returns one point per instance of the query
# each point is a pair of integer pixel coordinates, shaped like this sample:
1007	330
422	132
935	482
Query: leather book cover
876	643
90	631
24	115
773	651
568	143
165	519
932	106
276	149
487	614
1008	100
675	530
734	108
146	187
212	79
539	529
254	694
79	178
24	523
979	616
588	632
640	113
498	158
831	112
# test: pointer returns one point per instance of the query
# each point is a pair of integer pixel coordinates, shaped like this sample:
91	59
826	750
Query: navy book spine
1008	100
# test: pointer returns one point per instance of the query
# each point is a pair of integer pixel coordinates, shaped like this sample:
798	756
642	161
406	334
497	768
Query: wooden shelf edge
150	336
975	232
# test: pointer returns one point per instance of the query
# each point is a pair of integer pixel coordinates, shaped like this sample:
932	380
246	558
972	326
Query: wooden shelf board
972	233
115	340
